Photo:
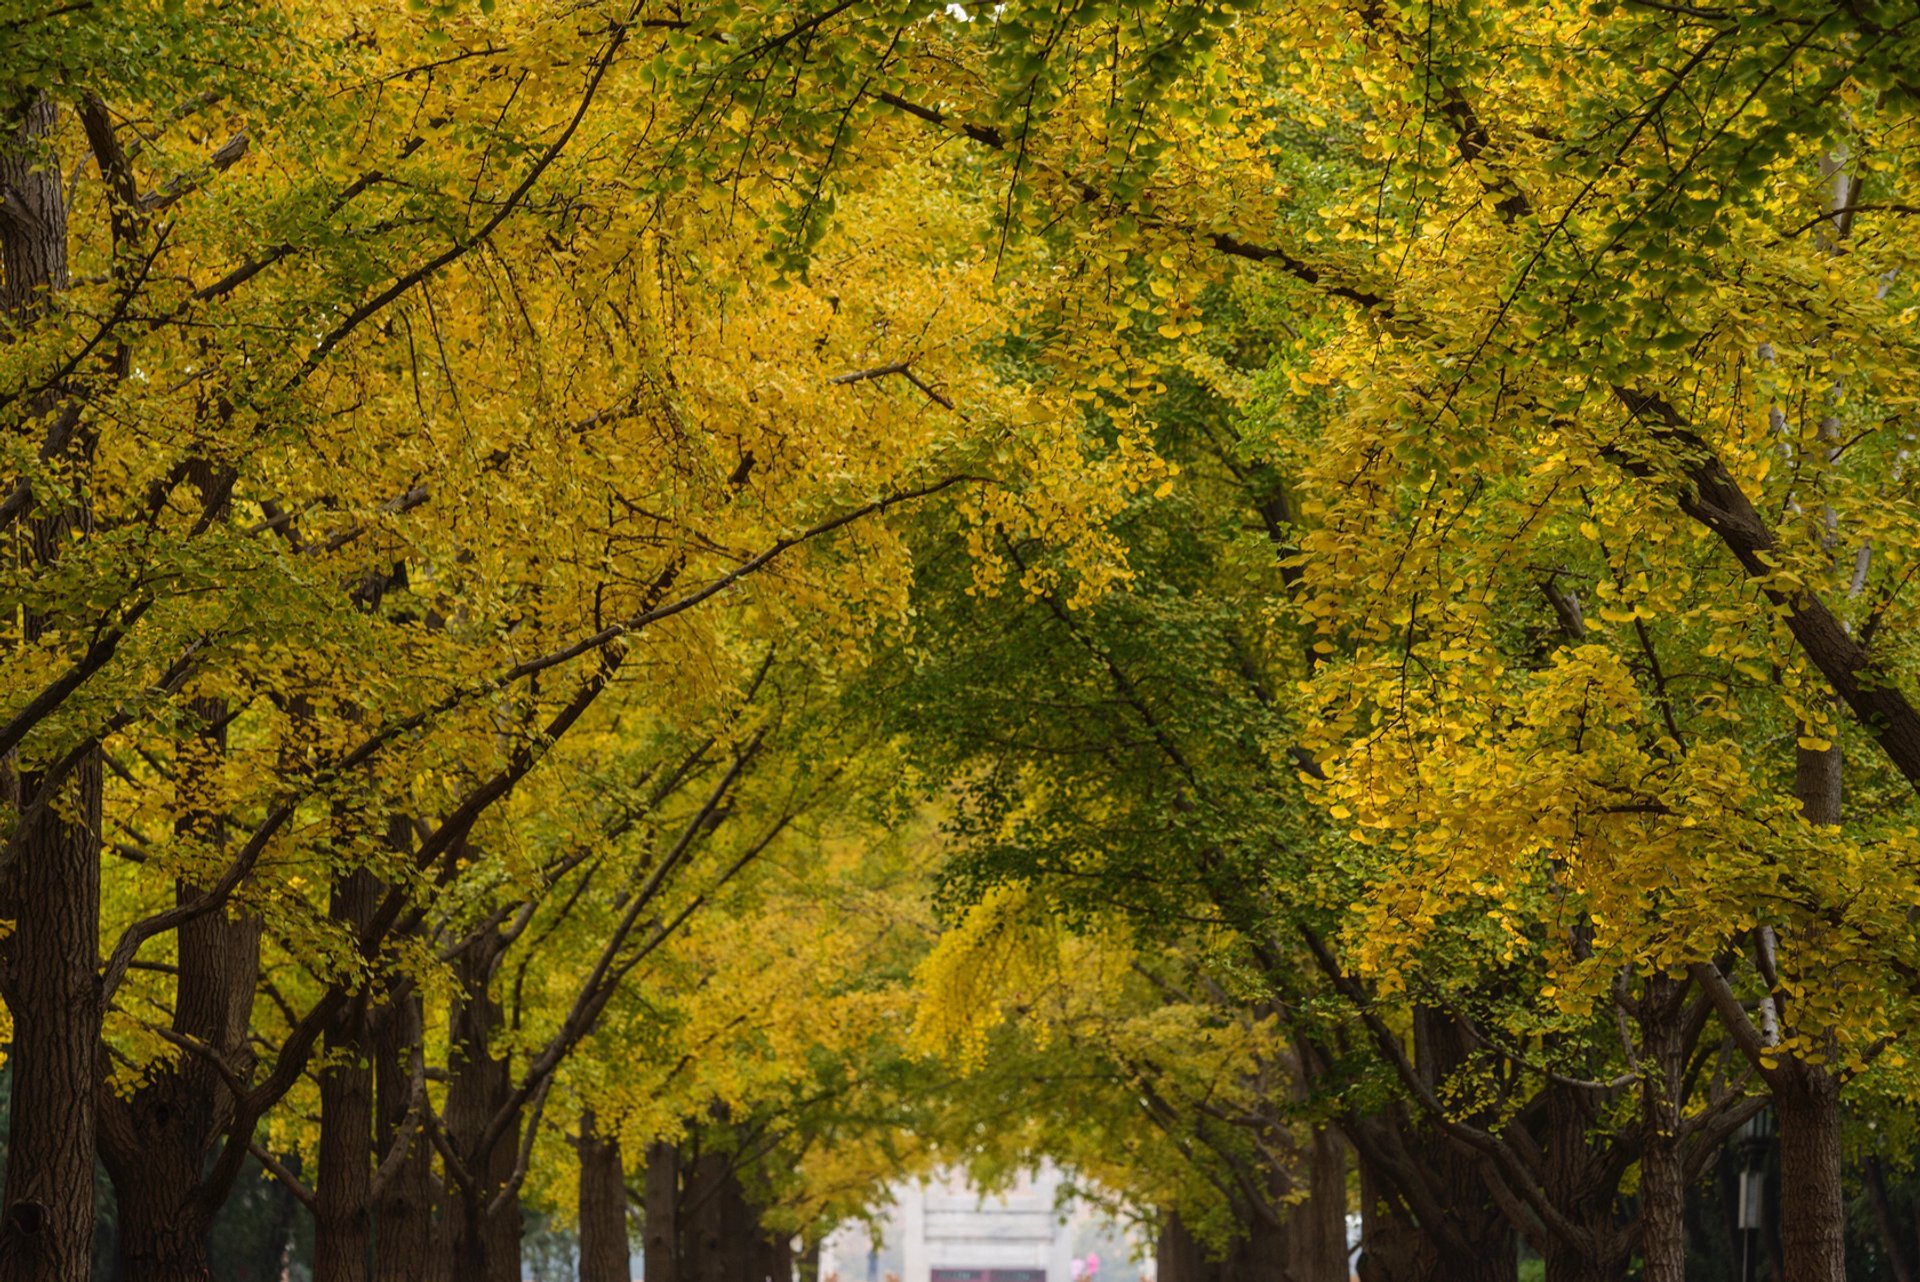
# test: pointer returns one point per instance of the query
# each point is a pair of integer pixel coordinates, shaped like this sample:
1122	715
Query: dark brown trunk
774	1257
1806	1097
1261	1251
1564	1266
1806	1106
155	1142
404	1241
604	1249
1469	1238
1390	1240
343	1192
1567	1264
47	1230
1317	1235
720	1234
1178	1256
52	894
1663	1204
486	1237
1581	1180
1426	1213
661	1221
33	231
1874	1176
1663	1182
153	1246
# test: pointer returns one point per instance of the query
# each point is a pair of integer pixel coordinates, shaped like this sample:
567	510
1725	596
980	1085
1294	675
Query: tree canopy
649	617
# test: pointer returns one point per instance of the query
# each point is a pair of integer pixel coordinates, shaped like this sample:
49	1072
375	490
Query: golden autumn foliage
848	586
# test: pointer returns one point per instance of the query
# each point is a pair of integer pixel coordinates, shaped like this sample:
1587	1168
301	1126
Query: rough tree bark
486	1238
156	1141
1469	1240
52	891
1806	1096
1427	1214
1663	1183
46	1234
407	1245
1318	1238
1581	1180
343	1192
719	1232
1392	1241
1806	1107
604	1246
1178	1255
661	1221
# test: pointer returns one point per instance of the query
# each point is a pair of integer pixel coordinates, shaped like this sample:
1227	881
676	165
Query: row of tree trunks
1464	1237
1281	1241
700	1223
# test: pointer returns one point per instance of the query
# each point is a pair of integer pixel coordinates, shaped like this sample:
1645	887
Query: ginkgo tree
1429	497
1635	280
363	454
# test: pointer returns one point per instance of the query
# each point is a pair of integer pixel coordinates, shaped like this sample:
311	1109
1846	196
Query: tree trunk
720	1234
1458	1235
1806	1097
404	1240
1261	1252
1471	1239
1874	1176
343	1192
661	1223
1562	1265
486	1241
1178	1255
154	1142
1317	1236
1812	1209
1663	1181
1581	1179
53	891
604	1250
1390	1241
1663	1208
47	1231
156	1242
774	1257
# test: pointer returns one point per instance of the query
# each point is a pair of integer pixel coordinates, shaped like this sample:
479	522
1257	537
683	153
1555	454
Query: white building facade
946	1230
